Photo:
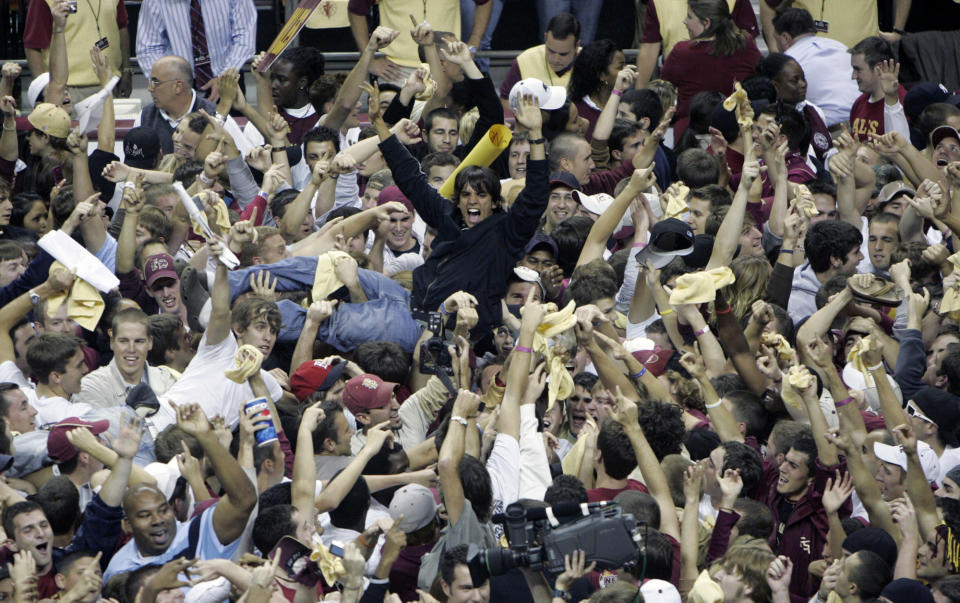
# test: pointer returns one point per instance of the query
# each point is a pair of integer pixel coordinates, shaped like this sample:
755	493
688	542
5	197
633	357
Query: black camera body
434	356
539	541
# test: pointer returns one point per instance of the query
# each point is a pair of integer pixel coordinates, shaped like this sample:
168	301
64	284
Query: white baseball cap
896	456
550	97
660	591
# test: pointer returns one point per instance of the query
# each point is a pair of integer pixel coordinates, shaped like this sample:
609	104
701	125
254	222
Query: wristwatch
562	594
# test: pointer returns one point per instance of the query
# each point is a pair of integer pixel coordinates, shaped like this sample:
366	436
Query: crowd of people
679	330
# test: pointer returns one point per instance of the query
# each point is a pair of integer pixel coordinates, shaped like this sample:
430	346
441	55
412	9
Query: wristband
639	245
727	311
221	119
898	31
790	251
666	312
459	419
522	348
129	184
875	367
702	331
714	405
562	594
443	309
843	402
540	140
363	541
616	92
263	194
643	371
204	179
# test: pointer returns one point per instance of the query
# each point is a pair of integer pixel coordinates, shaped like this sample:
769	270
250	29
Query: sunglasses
914	411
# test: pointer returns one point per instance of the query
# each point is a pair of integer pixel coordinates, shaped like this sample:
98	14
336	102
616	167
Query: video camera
434	356
538	540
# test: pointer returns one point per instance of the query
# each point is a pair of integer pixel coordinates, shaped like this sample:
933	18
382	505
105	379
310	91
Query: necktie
201	57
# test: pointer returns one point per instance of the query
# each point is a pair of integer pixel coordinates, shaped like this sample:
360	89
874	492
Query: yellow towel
740	103
677	201
571	462
779	343
804	201
84	304
560	383
799	377
325	279
951	296
245	364
222	223
855	358
701	287
330	565
705	590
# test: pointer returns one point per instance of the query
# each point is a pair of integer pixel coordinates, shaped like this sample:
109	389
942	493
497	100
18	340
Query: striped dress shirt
164	29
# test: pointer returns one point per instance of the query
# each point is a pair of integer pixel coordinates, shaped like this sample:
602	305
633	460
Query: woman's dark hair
22	204
760	87
590	64
771	65
477	487
727	37
702	106
555	122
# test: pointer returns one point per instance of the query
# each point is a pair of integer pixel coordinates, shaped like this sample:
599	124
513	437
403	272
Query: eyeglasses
914	411
154	82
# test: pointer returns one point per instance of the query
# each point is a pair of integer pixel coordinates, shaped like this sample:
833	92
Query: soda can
259	407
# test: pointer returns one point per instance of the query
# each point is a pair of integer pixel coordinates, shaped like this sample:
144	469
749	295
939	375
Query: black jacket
479	259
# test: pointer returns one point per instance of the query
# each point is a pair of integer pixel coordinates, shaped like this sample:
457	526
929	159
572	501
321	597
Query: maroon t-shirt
299	126
692	69
867	118
39	28
601	494
591	115
742	14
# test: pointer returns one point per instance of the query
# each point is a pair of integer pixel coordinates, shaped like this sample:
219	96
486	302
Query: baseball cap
942	132
649	354
550	97
668	239
417	505
595	204
50	119
392	193
366	392
159	266
872	539
896	456
37	86
541	239
907	590
315	375
141	147
660	591
59	447
892	190
921	95
939	407
564	179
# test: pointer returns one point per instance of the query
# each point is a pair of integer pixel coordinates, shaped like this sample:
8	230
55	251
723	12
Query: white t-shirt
55	409
204	382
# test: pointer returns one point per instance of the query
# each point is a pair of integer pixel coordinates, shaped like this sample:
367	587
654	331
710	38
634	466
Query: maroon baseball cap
59	447
564	179
655	360
315	375
392	193
366	392
159	266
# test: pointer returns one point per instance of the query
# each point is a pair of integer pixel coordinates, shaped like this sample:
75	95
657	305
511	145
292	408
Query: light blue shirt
128	558
164	29
826	66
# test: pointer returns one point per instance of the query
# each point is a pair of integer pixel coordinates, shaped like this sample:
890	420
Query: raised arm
107	130
818	356
338	488
122	470
605	225
219	325
8	139
451	453
304	487
626	415
721	419
231	513
918	488
59	70
532	201
349	92
728	236
57	282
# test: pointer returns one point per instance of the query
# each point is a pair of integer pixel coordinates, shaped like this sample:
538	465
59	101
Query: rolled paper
493	143
329	14
93	104
291	28
195	210
75	257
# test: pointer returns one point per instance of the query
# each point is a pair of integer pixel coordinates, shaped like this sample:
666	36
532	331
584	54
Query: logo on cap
323	363
159	264
135	151
369	383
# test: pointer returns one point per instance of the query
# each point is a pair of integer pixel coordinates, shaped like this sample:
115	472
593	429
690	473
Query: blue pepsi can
259	407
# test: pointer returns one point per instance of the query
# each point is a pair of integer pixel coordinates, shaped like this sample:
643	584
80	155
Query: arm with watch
465	406
59	281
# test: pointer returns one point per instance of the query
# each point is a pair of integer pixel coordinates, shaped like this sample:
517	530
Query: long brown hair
727	37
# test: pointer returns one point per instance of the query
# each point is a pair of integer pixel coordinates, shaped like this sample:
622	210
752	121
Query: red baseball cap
159	266
393	193
315	375
655	360
59	447
366	392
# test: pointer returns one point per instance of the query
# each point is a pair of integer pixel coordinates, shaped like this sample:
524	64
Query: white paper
78	260
93	103
196	213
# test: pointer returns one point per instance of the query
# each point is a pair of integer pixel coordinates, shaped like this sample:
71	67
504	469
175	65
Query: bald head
175	67
135	494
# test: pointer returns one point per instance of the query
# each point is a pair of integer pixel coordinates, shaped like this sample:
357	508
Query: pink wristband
844	402
617	92
640	245
702	331
520	348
